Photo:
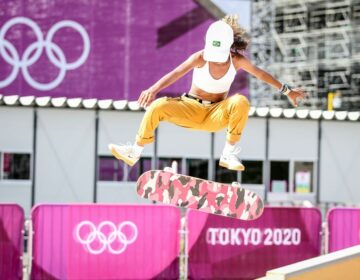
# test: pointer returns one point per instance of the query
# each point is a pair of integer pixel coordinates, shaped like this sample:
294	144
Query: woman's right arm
147	96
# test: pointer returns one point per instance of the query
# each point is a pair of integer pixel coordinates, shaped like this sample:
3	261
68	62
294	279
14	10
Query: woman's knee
158	105
239	100
160	108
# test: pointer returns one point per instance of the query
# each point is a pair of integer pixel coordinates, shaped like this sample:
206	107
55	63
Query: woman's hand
295	95
146	97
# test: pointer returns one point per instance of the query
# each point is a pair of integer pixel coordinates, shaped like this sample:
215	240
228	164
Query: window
279	176
15	166
253	173
198	168
145	165
224	175
303	177
134	172
111	169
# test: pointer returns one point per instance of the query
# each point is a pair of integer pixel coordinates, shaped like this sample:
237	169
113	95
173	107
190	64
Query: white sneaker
125	153
231	161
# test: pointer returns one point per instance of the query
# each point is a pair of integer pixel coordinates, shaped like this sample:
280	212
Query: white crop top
203	79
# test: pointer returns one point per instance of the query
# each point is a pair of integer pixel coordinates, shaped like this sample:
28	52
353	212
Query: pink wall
11	241
116	50
344	228
229	248
142	241
105	242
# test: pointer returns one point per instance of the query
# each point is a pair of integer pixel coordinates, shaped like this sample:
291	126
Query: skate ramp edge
343	264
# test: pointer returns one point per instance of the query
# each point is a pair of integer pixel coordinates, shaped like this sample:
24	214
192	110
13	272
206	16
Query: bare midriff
201	94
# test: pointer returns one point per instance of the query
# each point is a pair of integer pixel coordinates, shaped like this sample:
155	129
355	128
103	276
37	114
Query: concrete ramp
343	264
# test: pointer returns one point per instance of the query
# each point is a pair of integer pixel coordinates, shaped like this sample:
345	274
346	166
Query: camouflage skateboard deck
203	195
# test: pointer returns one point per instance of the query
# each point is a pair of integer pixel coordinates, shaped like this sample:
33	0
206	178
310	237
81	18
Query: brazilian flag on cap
216	43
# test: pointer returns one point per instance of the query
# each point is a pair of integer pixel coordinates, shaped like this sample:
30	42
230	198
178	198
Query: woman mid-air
206	105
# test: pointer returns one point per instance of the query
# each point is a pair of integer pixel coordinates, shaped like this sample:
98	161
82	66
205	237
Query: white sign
253	236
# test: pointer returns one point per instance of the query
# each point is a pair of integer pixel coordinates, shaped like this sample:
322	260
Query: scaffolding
310	44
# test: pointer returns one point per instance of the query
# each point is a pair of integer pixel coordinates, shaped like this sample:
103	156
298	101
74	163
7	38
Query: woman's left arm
245	64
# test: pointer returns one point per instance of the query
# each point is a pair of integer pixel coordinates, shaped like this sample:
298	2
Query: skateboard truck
236	184
173	168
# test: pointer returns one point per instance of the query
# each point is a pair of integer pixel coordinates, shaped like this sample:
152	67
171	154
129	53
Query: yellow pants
186	112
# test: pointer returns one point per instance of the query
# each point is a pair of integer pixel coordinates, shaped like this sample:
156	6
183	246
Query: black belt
198	99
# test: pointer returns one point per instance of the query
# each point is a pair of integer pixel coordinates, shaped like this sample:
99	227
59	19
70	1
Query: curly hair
241	42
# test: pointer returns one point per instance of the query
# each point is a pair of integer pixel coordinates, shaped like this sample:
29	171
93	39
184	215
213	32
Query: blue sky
239	7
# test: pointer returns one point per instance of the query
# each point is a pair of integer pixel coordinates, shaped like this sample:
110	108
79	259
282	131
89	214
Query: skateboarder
205	106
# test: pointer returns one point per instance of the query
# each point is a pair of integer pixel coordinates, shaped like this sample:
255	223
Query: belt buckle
205	102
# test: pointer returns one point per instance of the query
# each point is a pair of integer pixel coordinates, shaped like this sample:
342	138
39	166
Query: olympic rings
33	52
114	235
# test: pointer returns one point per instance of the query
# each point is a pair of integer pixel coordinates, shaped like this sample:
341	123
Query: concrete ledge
343	264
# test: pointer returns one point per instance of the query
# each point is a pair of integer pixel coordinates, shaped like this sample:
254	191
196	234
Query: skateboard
204	195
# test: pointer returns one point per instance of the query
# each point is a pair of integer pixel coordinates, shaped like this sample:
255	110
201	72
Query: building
55	150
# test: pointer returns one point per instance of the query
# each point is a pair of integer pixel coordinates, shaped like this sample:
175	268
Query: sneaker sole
237	168
120	157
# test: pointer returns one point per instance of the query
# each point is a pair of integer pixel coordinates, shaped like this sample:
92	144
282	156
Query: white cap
219	38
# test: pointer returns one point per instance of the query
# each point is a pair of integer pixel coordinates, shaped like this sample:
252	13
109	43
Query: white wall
66	142
119	192
293	139
176	141
16	132
65	154
340	162
252	141
119	127
16	135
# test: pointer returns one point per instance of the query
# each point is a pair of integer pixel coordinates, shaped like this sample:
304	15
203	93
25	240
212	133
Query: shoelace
128	147
130	150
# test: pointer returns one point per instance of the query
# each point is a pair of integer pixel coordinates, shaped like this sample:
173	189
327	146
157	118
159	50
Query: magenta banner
11	241
99	49
105	242
344	228
226	248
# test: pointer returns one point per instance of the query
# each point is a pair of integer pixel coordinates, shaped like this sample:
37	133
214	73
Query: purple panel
110	169
11	241
221	247
130	43
344	228
105	242
133	173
